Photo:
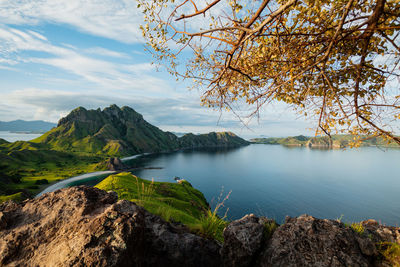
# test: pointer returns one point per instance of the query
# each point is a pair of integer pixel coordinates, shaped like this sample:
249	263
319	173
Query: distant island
26	126
336	141
90	140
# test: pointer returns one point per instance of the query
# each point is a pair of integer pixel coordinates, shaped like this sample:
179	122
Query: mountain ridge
122	131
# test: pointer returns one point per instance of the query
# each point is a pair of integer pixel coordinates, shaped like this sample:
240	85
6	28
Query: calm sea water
276	181
12	137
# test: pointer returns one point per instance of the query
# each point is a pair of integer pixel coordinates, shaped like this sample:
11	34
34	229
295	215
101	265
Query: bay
276	181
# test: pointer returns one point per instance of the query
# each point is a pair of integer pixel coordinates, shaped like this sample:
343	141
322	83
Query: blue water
12	137
276	181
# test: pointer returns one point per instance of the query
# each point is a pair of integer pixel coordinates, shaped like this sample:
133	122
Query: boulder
244	238
85	226
308	241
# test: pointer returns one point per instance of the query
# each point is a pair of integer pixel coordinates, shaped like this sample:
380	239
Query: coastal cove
275	181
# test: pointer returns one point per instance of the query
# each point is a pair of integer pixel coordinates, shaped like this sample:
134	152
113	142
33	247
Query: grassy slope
23	164
177	201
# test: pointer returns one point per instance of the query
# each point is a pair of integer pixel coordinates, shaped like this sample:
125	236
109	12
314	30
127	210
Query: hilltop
111	131
122	131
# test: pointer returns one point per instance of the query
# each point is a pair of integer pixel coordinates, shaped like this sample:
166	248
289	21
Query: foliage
391	252
334	60
269	229
211	225
358	228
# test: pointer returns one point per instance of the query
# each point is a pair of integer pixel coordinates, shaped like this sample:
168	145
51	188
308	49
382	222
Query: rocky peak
78	114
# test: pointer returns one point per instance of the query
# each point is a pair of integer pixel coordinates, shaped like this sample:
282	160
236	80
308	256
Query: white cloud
114	19
105	52
106	73
170	114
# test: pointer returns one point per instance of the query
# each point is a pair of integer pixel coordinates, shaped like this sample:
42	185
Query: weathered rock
114	164
307	241
85	226
244	239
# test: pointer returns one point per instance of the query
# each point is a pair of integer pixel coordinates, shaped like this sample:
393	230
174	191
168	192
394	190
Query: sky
56	55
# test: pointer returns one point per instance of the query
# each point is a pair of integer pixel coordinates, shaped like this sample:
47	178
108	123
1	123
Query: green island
83	142
336	141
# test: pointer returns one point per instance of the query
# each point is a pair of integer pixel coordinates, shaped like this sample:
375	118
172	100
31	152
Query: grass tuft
211	225
391	252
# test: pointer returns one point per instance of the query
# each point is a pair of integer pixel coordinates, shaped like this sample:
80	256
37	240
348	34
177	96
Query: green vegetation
113	131
391	252
15	197
178	202
337	141
358	228
269	229
220	139
28	167
122	131
210	224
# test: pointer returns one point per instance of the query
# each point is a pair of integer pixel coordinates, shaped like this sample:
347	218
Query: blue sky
56	55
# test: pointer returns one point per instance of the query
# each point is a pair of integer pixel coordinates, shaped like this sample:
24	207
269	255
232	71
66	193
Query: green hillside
113	131
337	141
26	166
178	202
219	139
122	131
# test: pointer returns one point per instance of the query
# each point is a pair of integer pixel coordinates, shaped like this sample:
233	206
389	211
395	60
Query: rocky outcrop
114	164
85	226
306	241
244	240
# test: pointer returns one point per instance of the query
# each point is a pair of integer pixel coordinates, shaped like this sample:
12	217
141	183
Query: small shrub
358	228
269	229
391	252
